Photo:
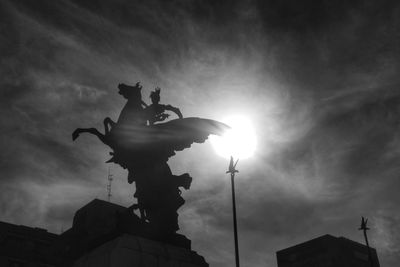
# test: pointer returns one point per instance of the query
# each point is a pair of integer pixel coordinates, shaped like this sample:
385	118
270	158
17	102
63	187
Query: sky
318	80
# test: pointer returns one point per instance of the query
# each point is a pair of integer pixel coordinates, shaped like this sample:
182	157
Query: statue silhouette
143	147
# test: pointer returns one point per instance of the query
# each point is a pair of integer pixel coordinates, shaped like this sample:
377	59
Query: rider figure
156	111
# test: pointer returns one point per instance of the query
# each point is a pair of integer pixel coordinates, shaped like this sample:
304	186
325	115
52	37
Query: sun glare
239	142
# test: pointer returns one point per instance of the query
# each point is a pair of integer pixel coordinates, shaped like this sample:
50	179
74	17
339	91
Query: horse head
130	92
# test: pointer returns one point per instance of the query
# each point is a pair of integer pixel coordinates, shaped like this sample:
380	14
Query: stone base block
132	251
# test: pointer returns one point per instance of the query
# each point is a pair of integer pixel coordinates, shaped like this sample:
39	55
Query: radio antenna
110	178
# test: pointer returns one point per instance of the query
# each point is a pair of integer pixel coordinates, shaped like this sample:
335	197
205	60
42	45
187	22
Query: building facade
103	234
327	251
22	246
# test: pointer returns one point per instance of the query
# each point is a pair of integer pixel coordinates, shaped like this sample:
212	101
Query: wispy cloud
318	80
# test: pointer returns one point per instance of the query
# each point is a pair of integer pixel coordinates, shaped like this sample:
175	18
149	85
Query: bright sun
240	141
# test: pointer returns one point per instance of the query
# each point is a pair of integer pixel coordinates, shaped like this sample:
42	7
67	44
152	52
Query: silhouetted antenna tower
110	178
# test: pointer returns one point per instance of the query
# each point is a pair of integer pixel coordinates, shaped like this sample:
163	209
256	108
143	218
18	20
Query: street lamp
240	142
232	170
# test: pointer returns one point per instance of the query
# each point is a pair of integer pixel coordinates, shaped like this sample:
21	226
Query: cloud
318	80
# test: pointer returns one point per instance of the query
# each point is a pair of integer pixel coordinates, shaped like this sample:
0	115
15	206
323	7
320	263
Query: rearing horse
132	115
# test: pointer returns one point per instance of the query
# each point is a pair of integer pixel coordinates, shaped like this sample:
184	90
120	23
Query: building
327	251
22	246
103	234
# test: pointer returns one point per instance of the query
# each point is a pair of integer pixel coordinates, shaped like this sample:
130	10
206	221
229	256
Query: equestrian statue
142	142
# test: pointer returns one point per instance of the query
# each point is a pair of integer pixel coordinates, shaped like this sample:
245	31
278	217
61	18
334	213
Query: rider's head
130	91
155	96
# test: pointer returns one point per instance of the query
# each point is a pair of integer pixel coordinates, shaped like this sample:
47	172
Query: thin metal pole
365	228
369	249
234	220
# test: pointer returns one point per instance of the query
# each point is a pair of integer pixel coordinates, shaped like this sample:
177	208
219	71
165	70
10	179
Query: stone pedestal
132	251
104	234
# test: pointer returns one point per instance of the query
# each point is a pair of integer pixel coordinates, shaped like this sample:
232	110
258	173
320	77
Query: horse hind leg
76	133
93	131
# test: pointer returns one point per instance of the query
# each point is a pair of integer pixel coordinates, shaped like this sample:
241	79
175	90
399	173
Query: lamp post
364	228
232	170
239	141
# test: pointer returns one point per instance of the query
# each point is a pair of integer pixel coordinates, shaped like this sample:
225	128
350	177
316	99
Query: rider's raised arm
175	110
144	104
